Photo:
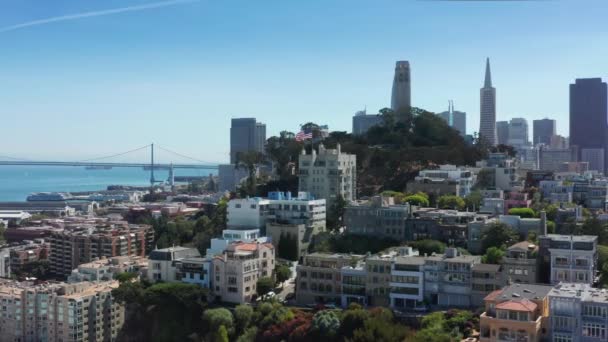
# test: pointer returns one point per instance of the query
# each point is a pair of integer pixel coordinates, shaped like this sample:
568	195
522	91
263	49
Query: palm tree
249	160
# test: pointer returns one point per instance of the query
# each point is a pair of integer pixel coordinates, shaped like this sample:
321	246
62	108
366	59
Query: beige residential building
516	313
319	277
237	270
108	268
59	312
378	278
79	245
485	278
328	174
520	264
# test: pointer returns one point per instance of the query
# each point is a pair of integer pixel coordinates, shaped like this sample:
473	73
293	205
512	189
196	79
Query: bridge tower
152	180
171	179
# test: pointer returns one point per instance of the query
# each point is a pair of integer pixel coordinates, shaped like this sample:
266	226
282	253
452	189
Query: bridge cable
182	155
13	158
115	155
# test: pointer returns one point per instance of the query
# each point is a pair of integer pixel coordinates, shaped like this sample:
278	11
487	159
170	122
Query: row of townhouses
402	278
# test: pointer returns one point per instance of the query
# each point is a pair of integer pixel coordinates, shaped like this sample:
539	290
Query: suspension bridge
103	163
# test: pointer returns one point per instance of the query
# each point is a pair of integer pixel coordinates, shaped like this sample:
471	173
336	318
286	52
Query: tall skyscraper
246	135
502	132
543	130
455	119
518	133
487	110
401	96
589	121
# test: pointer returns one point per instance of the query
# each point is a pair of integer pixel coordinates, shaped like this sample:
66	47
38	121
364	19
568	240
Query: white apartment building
465	178
407	282
328	174
59	312
247	213
231	235
298	218
236	272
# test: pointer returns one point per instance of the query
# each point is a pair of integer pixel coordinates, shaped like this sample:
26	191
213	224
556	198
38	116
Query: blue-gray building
362	122
589	121
246	135
578	313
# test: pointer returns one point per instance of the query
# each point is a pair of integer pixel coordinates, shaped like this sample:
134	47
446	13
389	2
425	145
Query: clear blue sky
176	75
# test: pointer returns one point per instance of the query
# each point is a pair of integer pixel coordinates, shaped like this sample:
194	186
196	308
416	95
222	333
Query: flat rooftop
584	292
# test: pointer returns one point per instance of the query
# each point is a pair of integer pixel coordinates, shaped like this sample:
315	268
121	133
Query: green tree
416	200
473	200
451	202
250	161
282	273
216	318
522	212
126	276
326	322
222	334
335	215
264	285
485	178
593	226
287	247
380	326
550	227
428	246
499	235
493	256
243	314
352	319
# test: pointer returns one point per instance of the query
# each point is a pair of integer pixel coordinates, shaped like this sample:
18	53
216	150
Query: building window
595	330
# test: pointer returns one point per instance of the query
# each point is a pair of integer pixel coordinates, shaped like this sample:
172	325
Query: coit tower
487	110
400	99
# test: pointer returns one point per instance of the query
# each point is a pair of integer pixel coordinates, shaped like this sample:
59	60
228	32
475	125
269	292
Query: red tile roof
493	295
247	246
517	305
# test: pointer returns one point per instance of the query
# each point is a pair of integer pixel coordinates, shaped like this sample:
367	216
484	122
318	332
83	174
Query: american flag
301	136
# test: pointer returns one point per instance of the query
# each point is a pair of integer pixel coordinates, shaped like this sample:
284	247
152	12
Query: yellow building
516	313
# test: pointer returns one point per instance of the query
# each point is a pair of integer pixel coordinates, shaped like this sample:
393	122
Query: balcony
519	261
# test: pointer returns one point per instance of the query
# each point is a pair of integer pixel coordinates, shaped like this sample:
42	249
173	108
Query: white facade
328	174
465	178
574	266
5	263
407	282
249	213
231	235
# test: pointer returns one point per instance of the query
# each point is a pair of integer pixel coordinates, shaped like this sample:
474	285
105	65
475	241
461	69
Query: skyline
182	72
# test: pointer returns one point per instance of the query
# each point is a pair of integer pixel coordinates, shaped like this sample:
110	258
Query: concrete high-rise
502	132
487	109
518	133
401	96
455	119
246	135
543	130
589	121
